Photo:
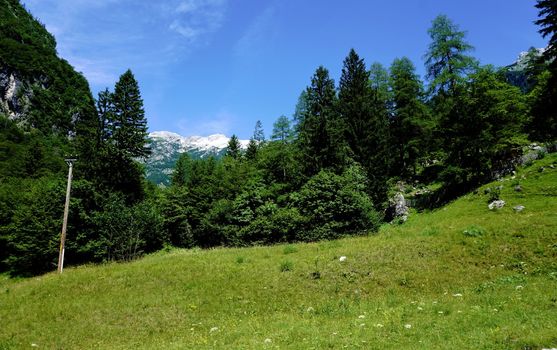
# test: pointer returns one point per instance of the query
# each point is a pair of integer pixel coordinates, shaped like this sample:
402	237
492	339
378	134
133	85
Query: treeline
324	173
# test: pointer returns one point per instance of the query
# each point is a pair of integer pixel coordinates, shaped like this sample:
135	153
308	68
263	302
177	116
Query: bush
335	205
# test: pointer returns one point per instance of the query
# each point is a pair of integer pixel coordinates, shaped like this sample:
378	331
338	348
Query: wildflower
457	295
379	325
519	287
362	316
407	326
420	308
267	341
310	309
342	258
214	329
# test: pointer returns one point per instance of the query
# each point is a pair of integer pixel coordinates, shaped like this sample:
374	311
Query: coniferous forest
327	171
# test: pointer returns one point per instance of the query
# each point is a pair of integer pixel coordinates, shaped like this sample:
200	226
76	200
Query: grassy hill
461	277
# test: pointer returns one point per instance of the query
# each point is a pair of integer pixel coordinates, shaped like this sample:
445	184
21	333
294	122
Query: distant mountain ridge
168	146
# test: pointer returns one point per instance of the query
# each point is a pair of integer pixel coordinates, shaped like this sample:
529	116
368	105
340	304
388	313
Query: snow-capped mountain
168	146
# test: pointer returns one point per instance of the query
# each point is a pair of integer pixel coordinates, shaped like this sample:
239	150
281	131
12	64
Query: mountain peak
167	147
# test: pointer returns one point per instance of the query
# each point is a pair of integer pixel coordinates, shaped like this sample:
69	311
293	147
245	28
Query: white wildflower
342	258
362	316
214	329
407	326
457	295
267	341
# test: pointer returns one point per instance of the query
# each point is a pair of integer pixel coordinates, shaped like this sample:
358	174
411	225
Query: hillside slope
461	277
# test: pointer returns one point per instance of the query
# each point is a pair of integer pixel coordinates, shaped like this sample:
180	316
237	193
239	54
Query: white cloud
257	33
197	17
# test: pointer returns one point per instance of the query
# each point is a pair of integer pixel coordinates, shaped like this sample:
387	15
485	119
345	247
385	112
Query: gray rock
498	204
399	207
518	208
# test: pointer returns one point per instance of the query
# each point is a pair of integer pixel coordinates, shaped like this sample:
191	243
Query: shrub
286	265
335	205
474	231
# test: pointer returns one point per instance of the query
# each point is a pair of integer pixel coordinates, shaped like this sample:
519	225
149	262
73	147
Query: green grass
425	284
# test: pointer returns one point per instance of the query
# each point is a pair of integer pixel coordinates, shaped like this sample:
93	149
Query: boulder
497	204
518	208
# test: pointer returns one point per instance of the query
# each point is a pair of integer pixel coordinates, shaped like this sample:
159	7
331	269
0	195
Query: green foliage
335	205
543	125
410	125
548	23
233	149
474	231
127	232
286	266
446	59
480	127
363	108
320	132
282	130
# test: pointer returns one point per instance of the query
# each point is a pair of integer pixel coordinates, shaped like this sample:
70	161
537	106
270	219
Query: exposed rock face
14	95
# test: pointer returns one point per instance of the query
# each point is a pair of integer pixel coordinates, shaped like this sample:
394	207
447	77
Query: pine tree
233	149
182	170
410	115
446	60
130	125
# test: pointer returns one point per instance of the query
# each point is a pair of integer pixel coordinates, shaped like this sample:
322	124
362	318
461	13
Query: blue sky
217	66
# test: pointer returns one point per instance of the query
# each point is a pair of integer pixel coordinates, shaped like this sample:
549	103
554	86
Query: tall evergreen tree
233	149
543	126
282	130
446	60
258	133
105	112
320	134
364	112
130	125
548	23
409	119
255	141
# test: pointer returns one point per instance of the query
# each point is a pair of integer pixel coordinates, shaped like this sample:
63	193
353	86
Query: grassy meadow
460	277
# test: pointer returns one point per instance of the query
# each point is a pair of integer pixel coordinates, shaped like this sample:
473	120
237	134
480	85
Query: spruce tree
364	112
233	149
543	126
409	118
255	141
320	135
548	23
130	125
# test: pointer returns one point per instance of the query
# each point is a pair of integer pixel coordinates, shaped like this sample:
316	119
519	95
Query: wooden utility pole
70	162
